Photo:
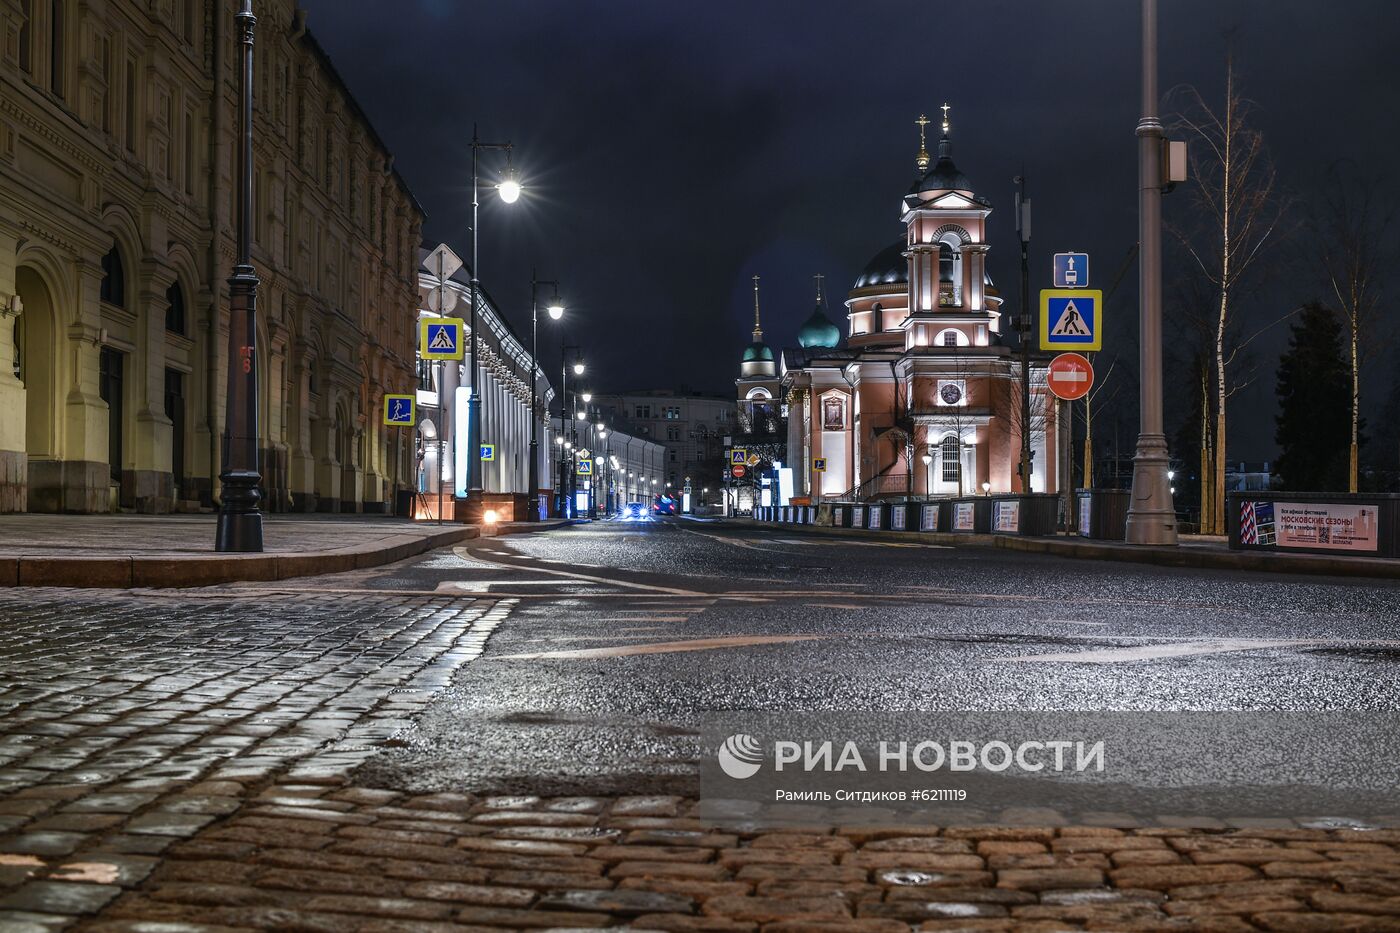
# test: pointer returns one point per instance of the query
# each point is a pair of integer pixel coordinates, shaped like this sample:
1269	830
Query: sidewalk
1204	552
178	550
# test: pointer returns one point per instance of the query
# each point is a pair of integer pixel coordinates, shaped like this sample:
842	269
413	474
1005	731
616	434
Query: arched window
949	272
950	338
113	288
877	318
950	451
175	309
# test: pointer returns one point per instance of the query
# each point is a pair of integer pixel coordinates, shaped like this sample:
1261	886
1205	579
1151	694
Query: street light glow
578	368
509	187
556	309
587	397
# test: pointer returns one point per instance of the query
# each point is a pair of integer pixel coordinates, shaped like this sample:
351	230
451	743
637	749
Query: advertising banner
1086	512
928	518
964	516
897	517
1327	525
1008	516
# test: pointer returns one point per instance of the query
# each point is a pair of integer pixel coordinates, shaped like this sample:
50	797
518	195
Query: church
921	396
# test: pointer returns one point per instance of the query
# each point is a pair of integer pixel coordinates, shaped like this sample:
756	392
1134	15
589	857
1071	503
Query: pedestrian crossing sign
440	338
1071	319
488	451
400	411
585	467
818	464
738	455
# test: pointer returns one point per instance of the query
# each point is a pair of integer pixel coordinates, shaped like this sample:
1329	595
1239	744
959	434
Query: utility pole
1023	232
240	521
1151	515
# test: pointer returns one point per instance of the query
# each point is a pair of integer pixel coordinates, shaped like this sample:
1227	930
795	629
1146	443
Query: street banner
1007	516
964	516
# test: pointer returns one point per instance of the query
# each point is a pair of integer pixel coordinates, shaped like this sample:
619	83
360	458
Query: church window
951	454
950	338
877	318
113	288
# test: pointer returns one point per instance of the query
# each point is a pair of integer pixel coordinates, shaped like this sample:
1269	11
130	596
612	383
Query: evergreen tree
1313	427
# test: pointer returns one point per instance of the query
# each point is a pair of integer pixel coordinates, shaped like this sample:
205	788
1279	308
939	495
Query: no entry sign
1071	376
738	470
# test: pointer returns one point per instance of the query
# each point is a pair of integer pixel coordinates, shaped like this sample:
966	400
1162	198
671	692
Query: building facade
503	372
622	467
117	198
924	398
691	428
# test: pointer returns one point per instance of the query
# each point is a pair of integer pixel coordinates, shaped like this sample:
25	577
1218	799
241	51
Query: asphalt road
624	638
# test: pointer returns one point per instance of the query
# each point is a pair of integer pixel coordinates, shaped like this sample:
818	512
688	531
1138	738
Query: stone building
691	426
117	126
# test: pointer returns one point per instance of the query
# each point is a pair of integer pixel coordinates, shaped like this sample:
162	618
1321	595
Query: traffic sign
440	338
488	451
818	464
1071	376
739	470
755	459
1071	270
1071	319
585	467
400	411
442	262
738	455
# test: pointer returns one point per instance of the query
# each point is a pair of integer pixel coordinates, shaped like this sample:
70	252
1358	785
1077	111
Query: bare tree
1352	225
1238	201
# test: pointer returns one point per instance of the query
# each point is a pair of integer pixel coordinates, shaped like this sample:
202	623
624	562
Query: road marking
676	591
1065	622
664	647
1154	652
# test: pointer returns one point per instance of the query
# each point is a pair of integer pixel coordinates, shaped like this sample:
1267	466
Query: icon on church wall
833	414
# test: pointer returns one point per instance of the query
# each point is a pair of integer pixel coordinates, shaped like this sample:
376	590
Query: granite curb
185	570
1188	556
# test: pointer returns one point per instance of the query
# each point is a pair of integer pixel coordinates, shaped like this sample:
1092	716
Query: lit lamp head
578	368
586	396
555	308
491	517
927	458
509	188
986	487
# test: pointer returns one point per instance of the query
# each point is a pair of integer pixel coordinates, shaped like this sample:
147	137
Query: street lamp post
240	522
510	191
1151	515
556	311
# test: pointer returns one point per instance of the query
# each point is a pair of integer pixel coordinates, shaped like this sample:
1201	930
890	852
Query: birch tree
1351	225
1239	211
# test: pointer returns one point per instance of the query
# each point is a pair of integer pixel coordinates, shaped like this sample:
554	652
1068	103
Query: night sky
671	151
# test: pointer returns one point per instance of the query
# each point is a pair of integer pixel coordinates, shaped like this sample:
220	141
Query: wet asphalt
623	638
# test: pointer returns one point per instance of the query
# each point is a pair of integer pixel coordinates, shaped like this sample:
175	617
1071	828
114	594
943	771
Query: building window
57	61
673	414
673	456
175	309
26	37
673	433
109	387
877	318
131	105
951	454
643	411
950	338
113	288
175	411
425	375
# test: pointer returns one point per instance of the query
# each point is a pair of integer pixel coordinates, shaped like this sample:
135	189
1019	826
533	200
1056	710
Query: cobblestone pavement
332	857
113	706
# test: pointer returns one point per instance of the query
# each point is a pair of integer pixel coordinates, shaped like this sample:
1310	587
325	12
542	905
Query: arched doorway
36	339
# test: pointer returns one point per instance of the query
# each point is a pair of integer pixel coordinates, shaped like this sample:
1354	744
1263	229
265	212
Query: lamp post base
240	522
1151	514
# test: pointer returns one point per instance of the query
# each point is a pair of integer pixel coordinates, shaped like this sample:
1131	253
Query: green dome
758	352
819	333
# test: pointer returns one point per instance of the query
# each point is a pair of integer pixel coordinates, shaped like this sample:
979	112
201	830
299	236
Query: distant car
664	505
635	510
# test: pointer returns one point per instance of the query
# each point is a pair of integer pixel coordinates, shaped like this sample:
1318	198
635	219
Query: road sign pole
442	369
1151	515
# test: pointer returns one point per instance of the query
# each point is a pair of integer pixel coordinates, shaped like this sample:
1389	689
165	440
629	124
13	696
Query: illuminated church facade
921	394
